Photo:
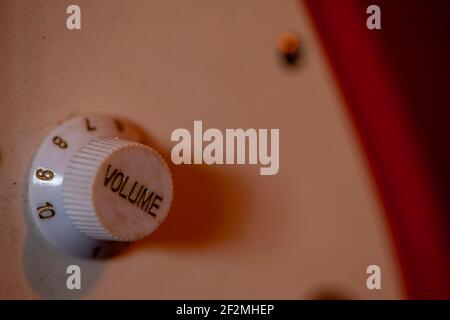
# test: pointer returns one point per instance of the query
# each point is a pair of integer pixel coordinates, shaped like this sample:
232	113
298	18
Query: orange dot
288	43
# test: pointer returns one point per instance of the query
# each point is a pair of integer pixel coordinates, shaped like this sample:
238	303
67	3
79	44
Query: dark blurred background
416	38
396	82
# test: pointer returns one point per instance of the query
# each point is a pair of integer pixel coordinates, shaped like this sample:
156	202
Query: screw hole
289	47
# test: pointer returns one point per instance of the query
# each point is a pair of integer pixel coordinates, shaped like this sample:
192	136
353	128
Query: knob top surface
116	189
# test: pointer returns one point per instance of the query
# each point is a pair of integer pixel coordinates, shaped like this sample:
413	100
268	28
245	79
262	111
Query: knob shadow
205	208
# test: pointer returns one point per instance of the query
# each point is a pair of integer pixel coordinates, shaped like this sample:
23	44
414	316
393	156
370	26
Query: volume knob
116	190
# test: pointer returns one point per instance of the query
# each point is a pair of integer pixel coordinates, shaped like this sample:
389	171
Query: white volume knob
90	183
115	189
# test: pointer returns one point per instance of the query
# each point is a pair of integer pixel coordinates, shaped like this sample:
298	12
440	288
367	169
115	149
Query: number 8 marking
45	175
60	142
